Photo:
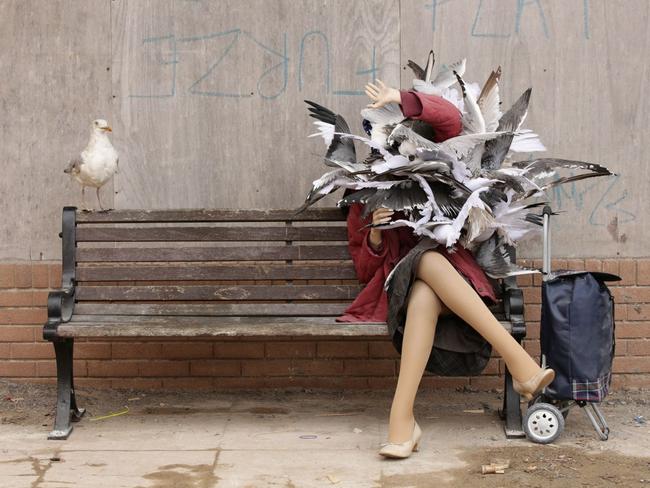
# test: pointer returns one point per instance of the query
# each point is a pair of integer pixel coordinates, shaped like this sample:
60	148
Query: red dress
371	305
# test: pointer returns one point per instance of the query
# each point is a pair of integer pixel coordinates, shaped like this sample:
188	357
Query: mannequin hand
379	216
381	94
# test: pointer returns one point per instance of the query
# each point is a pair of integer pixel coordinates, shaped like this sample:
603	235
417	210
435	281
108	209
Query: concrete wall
205	98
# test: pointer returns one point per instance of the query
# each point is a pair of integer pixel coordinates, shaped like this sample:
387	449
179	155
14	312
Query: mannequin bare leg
462	299
423	310
439	289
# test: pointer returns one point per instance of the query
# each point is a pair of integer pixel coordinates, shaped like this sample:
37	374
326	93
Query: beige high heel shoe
402	449
530	388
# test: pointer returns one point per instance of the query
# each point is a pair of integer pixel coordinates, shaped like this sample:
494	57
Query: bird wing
74	166
422	86
369	142
417	69
461	146
390	163
446	76
436	154
386	115
473	121
526	140
407	195
340	152
403	133
544	167
473	201
428	69
383	120
515	116
321	187
489	101
493	257
495	151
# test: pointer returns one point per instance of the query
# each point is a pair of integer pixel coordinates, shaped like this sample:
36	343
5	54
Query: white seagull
97	163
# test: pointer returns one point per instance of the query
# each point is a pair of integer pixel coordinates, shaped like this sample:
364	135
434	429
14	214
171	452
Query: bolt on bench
192	273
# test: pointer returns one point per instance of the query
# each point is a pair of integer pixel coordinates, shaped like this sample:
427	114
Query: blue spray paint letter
433	6
194	88
483	34
283	63
373	70
520	10
173	63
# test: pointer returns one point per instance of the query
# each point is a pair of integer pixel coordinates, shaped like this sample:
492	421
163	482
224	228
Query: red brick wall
283	362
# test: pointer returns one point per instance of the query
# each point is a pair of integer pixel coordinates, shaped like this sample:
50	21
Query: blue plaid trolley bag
577	341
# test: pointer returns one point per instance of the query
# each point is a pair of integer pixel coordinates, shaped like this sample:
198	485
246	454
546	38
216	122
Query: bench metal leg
66	404
511	412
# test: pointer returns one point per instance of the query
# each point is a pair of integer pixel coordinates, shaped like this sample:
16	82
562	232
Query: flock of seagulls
97	163
466	190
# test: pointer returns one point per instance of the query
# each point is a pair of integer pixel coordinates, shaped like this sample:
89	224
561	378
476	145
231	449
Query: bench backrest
216	262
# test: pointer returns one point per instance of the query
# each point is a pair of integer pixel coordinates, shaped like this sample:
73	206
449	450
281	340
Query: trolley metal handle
546	256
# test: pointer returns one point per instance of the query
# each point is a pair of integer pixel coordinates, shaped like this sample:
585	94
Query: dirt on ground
581	460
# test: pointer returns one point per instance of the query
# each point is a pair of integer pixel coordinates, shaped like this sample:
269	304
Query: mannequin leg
423	310
462	299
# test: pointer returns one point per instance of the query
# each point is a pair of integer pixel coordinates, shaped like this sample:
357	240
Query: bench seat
212	273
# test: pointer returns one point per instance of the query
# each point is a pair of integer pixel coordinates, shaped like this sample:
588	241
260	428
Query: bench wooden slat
99	326
215	272
285	327
219	292
226	309
213	309
178	234
217	215
239	253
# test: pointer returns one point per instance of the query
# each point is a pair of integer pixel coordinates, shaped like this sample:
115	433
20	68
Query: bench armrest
513	306
60	303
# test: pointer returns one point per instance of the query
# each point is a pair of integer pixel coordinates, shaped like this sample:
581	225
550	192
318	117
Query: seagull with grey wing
97	163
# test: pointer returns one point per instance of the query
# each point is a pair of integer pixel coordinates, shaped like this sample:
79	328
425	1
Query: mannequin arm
366	260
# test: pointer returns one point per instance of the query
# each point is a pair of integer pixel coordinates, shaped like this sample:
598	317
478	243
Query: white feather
473	201
446	77
527	141
325	130
389	163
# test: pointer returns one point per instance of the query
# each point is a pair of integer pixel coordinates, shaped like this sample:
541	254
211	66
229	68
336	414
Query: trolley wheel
562	405
543	423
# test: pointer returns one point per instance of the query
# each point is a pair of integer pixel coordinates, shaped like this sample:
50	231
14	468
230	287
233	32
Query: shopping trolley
577	341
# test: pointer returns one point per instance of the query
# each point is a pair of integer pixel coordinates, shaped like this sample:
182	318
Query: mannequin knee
424	298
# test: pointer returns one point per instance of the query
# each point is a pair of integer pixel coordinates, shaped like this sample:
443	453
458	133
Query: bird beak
108	129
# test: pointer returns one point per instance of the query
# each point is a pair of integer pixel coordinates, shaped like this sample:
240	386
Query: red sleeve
366	260
439	113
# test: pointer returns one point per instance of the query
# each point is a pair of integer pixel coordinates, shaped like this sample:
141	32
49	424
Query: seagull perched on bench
97	163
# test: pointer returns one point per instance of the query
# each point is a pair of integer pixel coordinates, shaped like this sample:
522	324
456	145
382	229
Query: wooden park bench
192	273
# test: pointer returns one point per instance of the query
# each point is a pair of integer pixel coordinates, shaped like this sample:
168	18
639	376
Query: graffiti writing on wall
520	9
167	53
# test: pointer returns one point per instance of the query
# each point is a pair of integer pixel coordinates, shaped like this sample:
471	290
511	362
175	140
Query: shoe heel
416	447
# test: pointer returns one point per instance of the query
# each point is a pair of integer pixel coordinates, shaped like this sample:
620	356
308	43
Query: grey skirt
458	350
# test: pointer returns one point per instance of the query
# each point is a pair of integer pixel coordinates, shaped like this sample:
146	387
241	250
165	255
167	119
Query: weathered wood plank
226	309
219	292
212	215
212	309
139	234
214	272
239	253
222	326
239	326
